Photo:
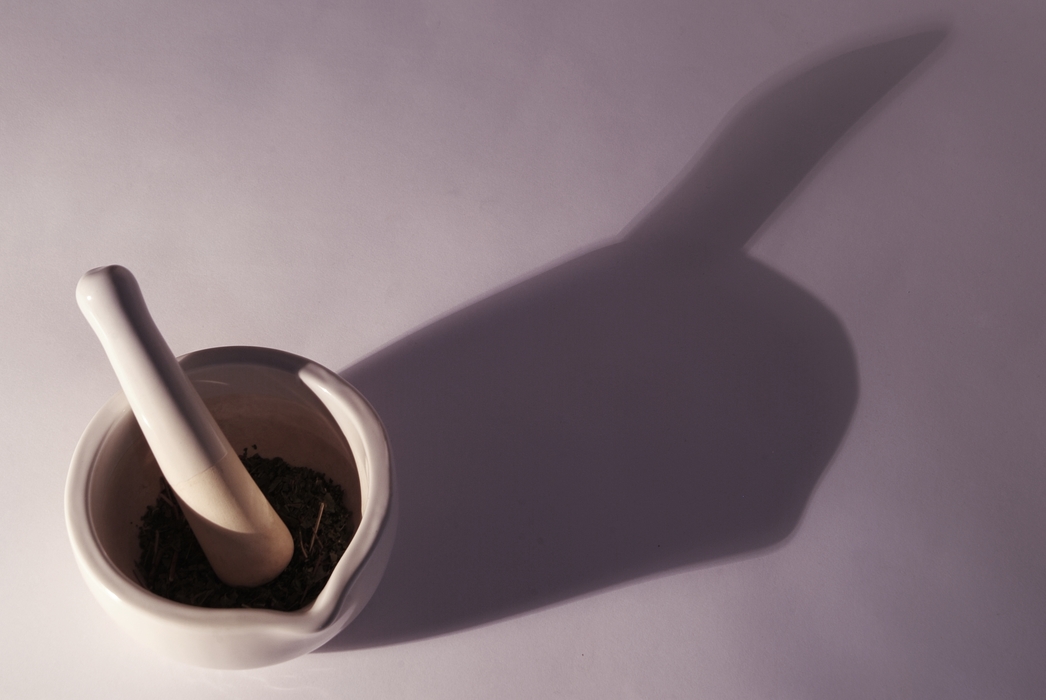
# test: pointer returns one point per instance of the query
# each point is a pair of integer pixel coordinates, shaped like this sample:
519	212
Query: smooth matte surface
709	335
242	537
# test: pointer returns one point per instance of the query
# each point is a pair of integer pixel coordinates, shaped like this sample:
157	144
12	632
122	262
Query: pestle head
244	539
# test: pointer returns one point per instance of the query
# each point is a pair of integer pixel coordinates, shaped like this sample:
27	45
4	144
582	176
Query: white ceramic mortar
289	407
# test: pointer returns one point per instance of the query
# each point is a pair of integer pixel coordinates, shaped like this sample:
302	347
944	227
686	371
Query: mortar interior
253	405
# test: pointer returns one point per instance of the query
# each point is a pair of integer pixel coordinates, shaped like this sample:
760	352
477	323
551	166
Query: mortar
289	407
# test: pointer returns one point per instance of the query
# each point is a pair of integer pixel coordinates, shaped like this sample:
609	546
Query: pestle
244	539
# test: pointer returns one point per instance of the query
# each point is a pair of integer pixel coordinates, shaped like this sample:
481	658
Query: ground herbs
172	563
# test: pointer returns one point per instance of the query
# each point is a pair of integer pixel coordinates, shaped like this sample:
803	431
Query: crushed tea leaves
172	564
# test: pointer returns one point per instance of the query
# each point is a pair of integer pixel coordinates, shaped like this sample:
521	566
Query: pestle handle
242	536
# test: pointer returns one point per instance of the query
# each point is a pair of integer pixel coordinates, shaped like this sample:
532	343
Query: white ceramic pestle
243	538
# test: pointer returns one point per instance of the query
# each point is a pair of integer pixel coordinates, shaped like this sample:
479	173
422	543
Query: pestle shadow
661	401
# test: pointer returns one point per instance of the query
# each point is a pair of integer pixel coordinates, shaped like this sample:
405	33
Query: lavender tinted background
686	248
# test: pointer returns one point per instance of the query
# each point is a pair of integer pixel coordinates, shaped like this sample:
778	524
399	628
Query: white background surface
325	178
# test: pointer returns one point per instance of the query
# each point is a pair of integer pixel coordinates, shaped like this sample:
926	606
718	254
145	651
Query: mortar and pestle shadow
662	401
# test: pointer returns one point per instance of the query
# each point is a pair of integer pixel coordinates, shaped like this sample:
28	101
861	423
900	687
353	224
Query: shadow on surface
661	401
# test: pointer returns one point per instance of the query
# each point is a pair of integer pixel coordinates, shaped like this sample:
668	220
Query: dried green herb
172	563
